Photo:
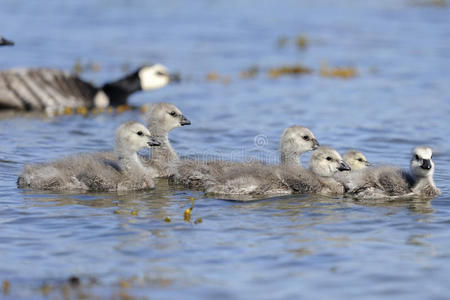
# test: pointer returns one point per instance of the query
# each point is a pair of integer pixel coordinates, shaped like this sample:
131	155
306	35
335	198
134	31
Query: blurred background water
119	244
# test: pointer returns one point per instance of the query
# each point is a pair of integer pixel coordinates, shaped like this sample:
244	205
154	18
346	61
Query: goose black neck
118	91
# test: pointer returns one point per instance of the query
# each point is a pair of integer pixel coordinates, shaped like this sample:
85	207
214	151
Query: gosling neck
128	160
425	185
289	158
164	152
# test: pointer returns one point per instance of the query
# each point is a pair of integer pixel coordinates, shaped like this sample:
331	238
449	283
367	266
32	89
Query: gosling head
165	116
133	136
326	161
297	140
356	160
5	42
422	164
153	77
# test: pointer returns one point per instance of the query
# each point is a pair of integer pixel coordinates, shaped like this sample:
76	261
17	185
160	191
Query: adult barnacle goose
52	89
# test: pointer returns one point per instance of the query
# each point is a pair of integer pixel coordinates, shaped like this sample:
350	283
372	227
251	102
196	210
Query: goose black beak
175	77
5	42
315	144
343	166
153	142
426	164
184	121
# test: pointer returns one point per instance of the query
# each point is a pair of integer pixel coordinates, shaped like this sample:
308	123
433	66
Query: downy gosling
284	179
91	172
295	141
389	181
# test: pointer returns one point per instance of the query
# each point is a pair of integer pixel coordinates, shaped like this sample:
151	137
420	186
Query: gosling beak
343	166
153	142
368	164
426	164
175	77
184	121
5	42
315	144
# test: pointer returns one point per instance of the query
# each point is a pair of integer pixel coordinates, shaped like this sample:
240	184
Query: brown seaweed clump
302	42
289	70
338	72
214	76
250	73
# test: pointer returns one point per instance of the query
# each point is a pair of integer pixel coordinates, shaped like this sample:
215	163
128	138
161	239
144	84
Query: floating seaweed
302	42
338	72
430	3
251	72
282	42
214	76
289	70
80	67
6	286
187	212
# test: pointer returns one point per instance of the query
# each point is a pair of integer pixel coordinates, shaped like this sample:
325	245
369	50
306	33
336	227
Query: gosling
91	172
162	118
284	179
388	181
295	141
356	160
324	164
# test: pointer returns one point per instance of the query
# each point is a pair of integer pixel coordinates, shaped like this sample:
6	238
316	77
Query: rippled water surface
119	245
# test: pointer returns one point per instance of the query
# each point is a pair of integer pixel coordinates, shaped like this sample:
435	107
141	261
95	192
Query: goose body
53	89
91	172
389	181
295	141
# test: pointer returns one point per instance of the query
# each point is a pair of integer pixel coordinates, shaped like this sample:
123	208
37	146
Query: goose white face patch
153	77
101	100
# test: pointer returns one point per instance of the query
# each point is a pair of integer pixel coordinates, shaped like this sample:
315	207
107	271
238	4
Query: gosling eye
329	158
173	114
306	138
360	159
159	73
140	133
431	157
417	157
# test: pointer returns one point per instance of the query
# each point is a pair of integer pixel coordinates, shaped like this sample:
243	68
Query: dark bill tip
343	166
315	144
184	121
368	164
426	164
153	142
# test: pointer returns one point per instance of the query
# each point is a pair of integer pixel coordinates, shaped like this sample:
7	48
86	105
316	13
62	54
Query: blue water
304	246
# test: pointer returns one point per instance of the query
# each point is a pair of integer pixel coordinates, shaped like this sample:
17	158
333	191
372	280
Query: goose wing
41	88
